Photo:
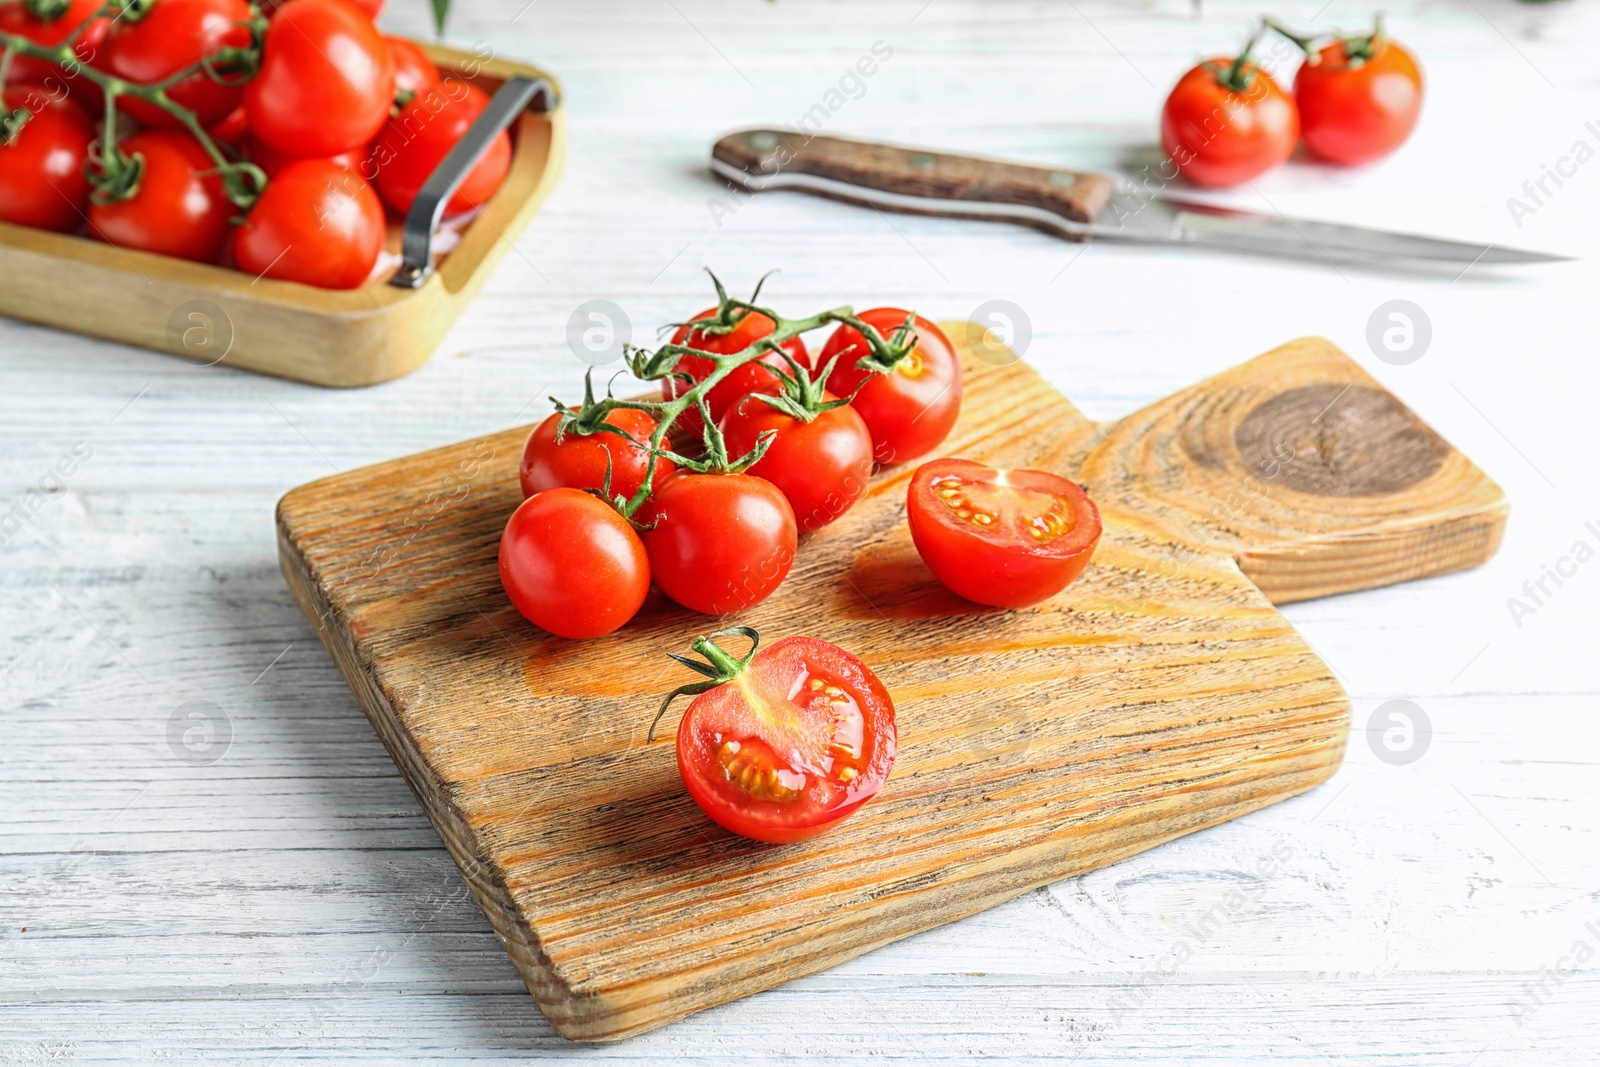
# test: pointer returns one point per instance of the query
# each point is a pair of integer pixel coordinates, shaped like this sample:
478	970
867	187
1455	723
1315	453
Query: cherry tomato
273	161
1360	100
326	81
416	141
571	565
370	8
233	129
180	207
752	377
42	182
414	72
791	747
719	543
997	537
911	409
175	34
16	18
317	223
579	460
1219	133
822	466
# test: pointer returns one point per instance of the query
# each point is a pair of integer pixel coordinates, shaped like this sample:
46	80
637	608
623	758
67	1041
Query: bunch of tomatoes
1356	99
206	130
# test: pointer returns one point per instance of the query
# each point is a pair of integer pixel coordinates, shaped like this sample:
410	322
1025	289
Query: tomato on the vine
179	208
821	465
1227	121
718	543
998	537
752	377
580	460
42	181
170	36
414	72
1359	98
326	81
416	141
911	409
272	161
571	565
317	223
19	19
788	742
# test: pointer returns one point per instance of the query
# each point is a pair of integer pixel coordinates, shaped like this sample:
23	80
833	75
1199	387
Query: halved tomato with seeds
998	537
787	742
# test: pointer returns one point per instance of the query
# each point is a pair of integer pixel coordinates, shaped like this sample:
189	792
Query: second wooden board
1160	694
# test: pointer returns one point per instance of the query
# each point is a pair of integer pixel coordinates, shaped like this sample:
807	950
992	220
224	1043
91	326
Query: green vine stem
1238	75
1357	50
719	667
883	355
243	181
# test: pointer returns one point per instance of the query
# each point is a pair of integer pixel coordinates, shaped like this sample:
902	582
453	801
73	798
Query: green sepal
720	667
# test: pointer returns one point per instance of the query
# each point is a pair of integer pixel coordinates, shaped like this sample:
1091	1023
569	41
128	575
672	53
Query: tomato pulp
1003	538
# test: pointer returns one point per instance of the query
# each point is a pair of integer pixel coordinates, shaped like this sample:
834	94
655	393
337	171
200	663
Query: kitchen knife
1075	204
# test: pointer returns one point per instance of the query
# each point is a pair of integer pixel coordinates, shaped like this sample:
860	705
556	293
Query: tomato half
18	19
579	460
326	81
42	182
1358	108
718	543
180	207
571	565
910	410
752	377
822	467
318	223
998	537
172	35
1221	135
792	746
415	142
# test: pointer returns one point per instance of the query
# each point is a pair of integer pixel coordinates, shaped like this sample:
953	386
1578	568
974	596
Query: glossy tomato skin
571	565
1003	538
414	72
415	142
272	161
180	208
17	19
579	460
1353	112
752	377
233	129
910	410
718	543
176	34
318	223
822	467
823	747
326	81
1218	137
42	182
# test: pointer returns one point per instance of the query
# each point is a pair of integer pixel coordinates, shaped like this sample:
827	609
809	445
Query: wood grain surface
1160	694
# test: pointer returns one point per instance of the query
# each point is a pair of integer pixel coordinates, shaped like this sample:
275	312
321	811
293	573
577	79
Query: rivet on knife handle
910	180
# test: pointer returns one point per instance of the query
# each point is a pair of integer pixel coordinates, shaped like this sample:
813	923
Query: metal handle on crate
416	246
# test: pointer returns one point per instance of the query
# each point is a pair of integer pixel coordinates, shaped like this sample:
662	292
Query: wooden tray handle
910	180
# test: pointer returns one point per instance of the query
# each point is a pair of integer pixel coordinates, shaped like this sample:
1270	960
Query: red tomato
911	409
803	737
42	182
822	466
719	543
579	460
414	72
326	81
1360	100
572	565
233	129
175	34
317	223
416	141
752	377
273	161
16	18
370	8
1219	134
1003	538
180	208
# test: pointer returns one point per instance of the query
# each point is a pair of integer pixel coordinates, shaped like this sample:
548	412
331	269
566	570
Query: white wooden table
278	896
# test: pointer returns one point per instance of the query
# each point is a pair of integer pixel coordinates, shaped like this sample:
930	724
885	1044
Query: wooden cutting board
1160	694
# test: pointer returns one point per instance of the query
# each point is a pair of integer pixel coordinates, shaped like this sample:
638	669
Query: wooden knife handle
1075	195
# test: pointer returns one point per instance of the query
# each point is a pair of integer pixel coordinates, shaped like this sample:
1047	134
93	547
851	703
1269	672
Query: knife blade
1075	204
